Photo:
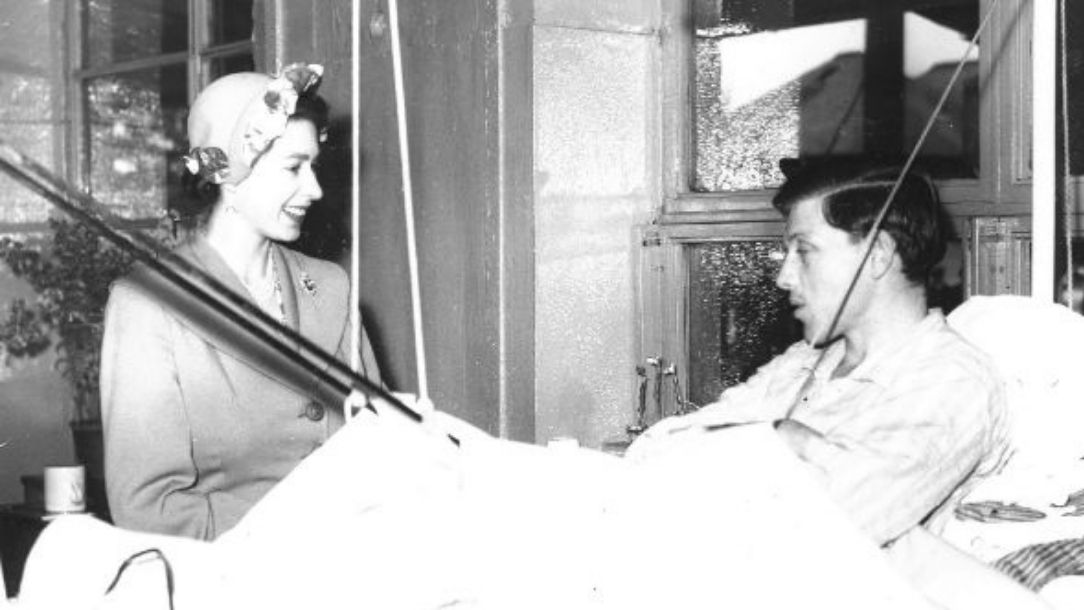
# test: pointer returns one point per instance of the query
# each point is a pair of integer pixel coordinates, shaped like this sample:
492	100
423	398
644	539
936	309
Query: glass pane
221	66
135	131
31	103
231	21
827	79
123	30
738	319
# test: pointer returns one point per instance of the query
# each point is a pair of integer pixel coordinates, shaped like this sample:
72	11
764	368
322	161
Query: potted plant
71	272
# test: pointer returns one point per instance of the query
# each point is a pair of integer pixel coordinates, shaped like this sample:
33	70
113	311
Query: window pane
231	21
123	30
738	319
135	125
221	66
31	102
818	79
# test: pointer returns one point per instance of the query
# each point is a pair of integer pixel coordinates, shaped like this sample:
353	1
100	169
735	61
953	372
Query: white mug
65	489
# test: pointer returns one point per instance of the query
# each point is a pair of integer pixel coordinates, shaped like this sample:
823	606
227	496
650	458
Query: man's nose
785	279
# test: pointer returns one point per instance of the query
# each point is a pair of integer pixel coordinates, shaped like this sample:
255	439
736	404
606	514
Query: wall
597	176
465	71
34	400
317	32
533	131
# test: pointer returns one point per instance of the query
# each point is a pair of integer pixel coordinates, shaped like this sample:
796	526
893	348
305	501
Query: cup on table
65	489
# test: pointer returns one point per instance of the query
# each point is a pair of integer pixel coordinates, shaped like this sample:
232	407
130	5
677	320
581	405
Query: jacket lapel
307	308
217	332
306	305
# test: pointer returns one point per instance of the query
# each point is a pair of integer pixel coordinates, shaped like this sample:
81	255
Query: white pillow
1039	349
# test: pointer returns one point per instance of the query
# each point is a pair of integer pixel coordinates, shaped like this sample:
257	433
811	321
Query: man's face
819	265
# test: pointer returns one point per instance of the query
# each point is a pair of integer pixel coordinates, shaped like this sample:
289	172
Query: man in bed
897	417
894	410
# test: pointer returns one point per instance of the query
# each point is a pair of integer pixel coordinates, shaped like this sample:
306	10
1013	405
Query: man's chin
814	336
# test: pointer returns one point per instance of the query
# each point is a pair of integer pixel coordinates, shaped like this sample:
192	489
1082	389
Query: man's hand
804	441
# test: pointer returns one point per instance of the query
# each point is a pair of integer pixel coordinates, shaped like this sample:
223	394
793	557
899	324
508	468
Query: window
814	79
32	85
138	63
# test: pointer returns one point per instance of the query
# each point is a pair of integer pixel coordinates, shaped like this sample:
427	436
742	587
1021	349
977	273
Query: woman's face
275	196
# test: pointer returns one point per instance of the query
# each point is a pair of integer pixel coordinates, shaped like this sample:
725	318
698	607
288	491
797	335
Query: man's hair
851	198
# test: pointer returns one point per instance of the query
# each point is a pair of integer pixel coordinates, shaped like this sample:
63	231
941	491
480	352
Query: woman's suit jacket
195	431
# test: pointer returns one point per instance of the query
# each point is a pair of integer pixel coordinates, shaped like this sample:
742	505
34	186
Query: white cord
355	188
1043	149
408	200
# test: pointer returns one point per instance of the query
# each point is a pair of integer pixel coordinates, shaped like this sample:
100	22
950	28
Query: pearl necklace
269	297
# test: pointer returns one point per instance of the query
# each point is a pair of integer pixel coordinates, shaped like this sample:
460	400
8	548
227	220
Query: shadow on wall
326	232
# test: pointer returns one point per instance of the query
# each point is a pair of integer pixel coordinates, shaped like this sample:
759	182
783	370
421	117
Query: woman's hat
235	119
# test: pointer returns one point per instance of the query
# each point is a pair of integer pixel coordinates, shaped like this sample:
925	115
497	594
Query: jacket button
314	411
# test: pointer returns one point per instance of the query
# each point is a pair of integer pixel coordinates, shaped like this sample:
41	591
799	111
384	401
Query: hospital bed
496	524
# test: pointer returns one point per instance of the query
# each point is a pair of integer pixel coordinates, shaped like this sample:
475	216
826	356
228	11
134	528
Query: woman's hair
851	198
192	208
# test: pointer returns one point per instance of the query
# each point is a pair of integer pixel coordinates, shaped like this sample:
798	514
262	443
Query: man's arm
747	402
807	443
896	462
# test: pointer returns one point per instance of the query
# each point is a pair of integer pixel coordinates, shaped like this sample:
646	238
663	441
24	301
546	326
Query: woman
195	431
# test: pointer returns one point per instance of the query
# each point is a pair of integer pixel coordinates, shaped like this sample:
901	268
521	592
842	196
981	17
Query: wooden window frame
1003	183
197	59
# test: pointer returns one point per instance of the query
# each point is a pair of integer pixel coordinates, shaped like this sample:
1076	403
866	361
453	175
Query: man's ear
883	255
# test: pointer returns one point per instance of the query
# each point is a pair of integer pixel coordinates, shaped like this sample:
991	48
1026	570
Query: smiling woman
196	428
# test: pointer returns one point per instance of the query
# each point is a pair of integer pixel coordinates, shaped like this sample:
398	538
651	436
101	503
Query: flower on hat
280	102
210	164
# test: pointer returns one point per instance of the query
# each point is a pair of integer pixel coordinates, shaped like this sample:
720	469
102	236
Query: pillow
1039	349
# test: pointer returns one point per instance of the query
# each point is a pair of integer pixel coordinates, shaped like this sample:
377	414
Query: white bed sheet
385	517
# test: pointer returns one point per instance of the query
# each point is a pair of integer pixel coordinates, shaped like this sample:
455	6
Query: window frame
197	57
1002	187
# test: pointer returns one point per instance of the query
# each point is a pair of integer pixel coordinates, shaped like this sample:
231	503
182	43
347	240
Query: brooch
308	285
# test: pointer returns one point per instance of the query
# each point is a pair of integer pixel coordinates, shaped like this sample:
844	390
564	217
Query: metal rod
307	359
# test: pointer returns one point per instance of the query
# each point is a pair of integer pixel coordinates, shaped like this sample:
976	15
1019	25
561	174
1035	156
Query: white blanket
385	516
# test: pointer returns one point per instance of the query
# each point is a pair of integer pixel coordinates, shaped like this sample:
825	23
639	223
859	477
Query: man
896	411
